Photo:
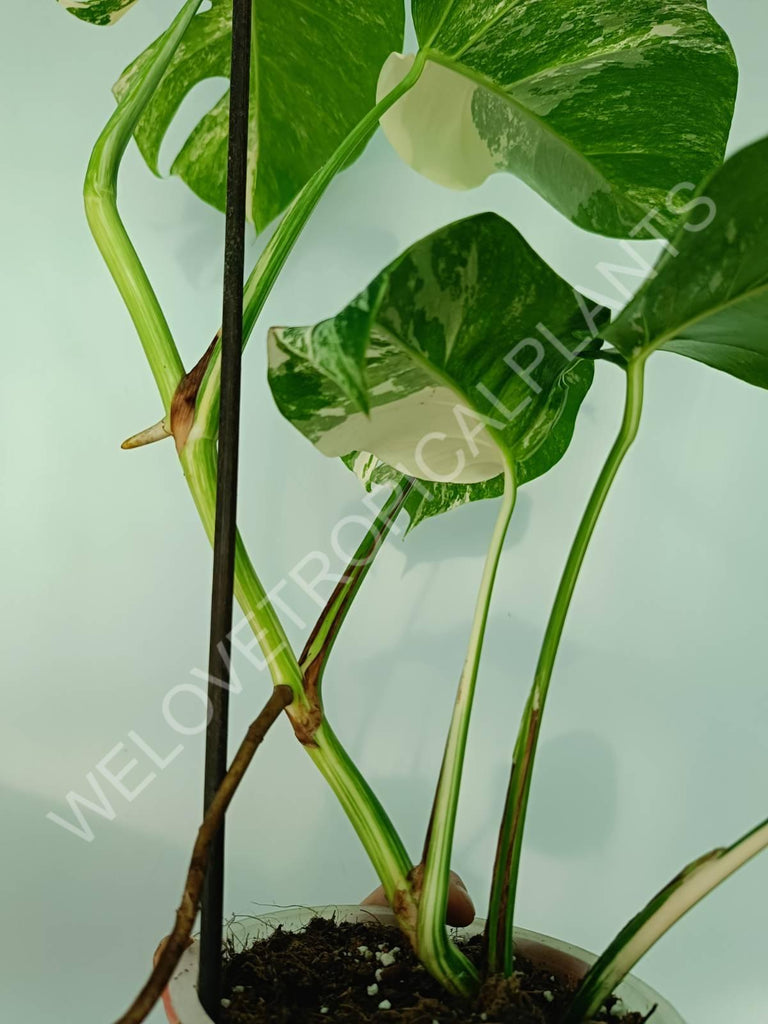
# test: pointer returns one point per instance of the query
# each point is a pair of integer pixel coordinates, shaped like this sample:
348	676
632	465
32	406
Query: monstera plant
458	373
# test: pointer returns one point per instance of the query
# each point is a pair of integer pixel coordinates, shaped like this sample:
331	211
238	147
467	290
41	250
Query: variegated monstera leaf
707	298
98	12
601	106
464	353
314	72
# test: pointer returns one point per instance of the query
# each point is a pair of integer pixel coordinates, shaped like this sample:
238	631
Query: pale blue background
654	750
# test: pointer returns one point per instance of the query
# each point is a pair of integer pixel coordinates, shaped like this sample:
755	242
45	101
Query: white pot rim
182	1005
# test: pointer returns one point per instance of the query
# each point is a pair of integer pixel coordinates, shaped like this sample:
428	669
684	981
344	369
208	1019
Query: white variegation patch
571	107
99	12
430	434
413	378
665	30
431	128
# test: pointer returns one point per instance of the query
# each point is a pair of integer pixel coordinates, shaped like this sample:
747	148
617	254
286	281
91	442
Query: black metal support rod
209	985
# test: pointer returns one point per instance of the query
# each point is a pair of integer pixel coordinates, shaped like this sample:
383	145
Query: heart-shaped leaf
460	356
314	73
708	296
98	12
601	107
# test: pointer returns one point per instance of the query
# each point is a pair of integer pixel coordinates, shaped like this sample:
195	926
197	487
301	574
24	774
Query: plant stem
369	819
177	941
272	260
320	643
499	930
198	456
436	951
380	840
377	834
690	886
267	627
100	194
198	460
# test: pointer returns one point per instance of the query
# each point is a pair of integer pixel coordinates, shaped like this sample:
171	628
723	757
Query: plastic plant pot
566	961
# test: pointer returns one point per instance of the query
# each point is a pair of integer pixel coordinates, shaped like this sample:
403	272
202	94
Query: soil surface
360	973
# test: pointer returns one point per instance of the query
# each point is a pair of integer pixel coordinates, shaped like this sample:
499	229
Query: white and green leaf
314	75
708	295
98	12
459	357
665	909
602	108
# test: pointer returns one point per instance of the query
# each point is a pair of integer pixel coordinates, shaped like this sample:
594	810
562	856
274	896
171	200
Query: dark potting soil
360	973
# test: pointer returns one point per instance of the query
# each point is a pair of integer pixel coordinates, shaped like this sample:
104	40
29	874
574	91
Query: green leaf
601	107
98	12
693	883
314	73
460	356
708	296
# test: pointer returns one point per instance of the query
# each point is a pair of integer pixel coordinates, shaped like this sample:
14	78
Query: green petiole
100	195
438	953
320	643
499	930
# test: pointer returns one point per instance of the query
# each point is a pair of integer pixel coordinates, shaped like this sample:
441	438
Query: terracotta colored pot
562	959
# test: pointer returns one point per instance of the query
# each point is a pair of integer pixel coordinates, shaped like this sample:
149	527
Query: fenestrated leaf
708	297
458	356
315	67
98	12
602	107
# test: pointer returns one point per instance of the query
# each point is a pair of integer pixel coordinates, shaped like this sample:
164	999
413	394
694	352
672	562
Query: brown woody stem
178	940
